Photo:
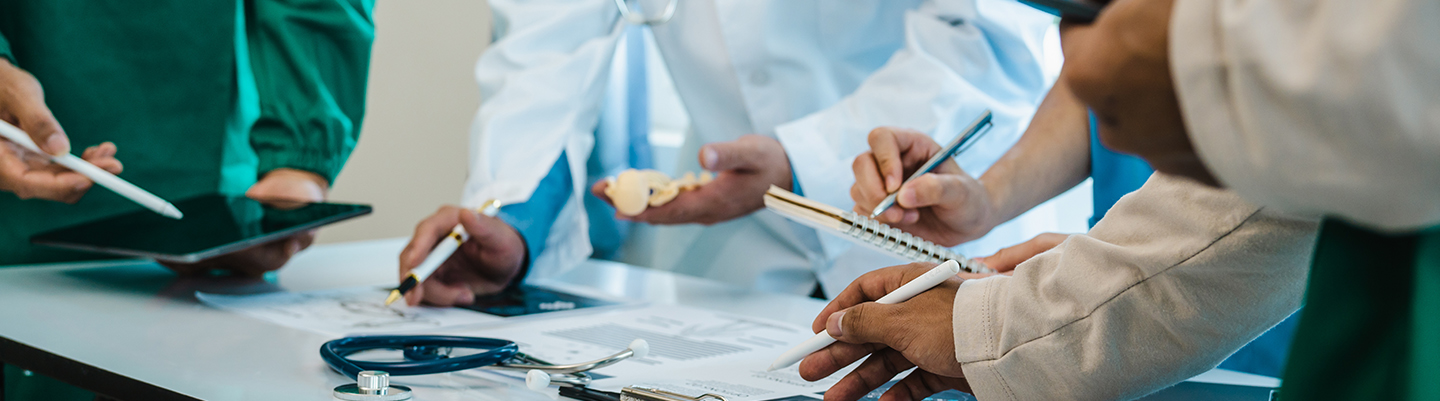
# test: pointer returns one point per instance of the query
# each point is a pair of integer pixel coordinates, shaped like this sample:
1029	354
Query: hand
28	175
277	185
485	264
945	206
1120	67
1006	259
745	168
914	333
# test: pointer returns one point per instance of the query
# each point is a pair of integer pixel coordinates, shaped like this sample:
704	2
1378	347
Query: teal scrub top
1370	329
198	96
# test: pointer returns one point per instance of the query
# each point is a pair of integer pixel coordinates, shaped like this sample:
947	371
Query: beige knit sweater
1174	279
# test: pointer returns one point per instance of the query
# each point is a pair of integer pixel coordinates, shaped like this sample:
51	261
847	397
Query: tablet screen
213	225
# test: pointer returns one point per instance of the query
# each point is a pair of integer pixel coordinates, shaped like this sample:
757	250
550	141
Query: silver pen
955	147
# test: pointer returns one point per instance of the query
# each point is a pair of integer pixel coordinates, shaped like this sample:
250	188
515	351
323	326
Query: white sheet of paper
739	381
690	349
342	312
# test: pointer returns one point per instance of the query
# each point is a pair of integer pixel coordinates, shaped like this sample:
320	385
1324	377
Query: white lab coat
816	74
1337	102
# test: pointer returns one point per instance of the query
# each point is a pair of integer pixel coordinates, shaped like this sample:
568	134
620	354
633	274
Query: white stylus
920	284
100	176
438	255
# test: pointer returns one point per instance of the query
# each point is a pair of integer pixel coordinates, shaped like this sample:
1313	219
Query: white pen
100	176
438	255
920	284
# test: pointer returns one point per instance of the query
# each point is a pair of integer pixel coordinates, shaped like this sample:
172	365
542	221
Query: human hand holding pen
946	206
897	337
28	175
484	264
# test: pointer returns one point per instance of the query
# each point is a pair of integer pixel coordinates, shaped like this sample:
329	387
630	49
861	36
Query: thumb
933	189
745	153
35	119
864	324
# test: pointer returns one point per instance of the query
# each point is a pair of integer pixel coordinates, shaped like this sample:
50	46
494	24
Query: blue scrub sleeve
534	218
1113	175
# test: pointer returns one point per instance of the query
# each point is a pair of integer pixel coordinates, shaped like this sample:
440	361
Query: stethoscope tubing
336	354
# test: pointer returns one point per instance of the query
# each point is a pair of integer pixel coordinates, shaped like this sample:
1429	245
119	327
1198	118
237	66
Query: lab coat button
759	77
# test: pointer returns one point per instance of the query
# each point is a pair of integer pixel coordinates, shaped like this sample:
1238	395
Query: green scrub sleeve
5	49
310	59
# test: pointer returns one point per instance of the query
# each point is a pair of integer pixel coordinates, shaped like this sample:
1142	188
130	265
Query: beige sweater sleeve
1175	278
1317	107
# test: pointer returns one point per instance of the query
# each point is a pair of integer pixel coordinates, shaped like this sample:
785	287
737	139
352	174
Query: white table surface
138	320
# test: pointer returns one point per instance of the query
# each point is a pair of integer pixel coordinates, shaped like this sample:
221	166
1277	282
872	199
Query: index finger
427	234
886	151
870	287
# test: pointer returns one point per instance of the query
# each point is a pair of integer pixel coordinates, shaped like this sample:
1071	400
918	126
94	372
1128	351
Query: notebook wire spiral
864	230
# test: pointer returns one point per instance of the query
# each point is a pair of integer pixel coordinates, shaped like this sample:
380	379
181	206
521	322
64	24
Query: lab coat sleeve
1175	278
1325	107
311	60
534	218
541	85
959	58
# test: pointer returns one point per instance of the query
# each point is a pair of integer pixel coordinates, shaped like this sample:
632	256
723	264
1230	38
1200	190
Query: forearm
310	61
944	76
1174	279
534	218
1051	157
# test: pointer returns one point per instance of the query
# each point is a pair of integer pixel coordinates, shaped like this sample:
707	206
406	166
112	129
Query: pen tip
171	212
394	295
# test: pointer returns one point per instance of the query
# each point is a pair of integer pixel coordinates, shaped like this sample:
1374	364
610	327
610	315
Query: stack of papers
692	351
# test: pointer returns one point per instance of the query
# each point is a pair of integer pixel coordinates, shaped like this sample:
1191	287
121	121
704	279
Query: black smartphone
1076	10
213	225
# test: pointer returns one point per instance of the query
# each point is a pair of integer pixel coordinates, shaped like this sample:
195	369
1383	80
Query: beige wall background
414	145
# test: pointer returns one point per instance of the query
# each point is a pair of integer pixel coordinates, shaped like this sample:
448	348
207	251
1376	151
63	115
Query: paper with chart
344	311
690	349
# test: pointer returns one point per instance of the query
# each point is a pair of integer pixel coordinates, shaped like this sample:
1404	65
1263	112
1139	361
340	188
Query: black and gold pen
438	255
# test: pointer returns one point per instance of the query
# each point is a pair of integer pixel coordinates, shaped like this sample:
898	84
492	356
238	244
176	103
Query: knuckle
878	133
860	161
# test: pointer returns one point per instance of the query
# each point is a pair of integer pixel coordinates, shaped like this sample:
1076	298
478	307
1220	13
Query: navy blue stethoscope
431	354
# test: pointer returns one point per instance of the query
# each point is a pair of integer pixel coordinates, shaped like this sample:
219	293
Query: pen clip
635	393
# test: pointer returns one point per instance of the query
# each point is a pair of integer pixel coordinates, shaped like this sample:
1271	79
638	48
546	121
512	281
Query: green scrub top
1370	329
198	96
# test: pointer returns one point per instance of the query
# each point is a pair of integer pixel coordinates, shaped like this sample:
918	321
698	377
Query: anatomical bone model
634	190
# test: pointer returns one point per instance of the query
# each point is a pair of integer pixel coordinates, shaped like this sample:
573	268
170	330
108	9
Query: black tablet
1077	10
522	300
213	225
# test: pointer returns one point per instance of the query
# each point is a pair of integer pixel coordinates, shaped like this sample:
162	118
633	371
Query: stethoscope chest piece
372	385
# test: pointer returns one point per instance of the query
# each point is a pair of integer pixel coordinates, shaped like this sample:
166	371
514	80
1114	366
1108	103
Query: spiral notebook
864	230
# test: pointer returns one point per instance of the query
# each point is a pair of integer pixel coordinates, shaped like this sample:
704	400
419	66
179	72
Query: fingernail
708	158
891	184
58	144
832	325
